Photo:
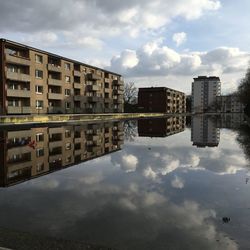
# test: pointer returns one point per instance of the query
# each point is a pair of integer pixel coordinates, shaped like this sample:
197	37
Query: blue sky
159	43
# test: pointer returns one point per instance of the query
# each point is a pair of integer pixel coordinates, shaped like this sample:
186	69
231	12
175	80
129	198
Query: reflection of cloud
129	163
170	167
177	182
93	178
149	173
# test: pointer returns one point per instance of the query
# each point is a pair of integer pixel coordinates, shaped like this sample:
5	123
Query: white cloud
179	38
177	182
129	163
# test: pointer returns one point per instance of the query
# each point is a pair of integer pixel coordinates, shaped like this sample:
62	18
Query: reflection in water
161	127
29	153
204	131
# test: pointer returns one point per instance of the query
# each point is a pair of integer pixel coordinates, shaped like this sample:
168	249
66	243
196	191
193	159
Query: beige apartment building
30	153
38	82
162	100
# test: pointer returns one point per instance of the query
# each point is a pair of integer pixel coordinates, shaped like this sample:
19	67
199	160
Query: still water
176	183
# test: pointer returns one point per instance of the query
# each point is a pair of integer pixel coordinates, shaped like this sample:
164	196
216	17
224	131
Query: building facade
37	82
162	100
33	152
204	93
229	104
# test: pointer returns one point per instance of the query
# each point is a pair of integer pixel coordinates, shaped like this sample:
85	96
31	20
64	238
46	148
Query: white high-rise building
204	92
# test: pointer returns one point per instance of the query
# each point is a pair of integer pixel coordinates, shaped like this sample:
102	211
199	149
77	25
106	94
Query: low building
229	104
204	93
33	152
162	100
33	81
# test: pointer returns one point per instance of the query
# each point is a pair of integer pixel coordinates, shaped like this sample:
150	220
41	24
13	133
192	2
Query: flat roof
55	55
207	78
155	89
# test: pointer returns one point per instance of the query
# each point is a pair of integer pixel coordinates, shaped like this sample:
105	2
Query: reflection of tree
130	130
243	139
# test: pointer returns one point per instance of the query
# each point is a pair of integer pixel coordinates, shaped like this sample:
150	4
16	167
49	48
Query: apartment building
30	153
161	127
38	82
162	100
230	120
204	93
229	104
204	131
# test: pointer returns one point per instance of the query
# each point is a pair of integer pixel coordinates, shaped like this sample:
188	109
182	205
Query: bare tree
130	93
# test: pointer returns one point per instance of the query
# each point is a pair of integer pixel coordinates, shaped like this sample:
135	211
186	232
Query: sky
151	43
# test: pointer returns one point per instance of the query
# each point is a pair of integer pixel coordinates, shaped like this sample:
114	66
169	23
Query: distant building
204	132
161	127
162	100
229	104
204	93
34	81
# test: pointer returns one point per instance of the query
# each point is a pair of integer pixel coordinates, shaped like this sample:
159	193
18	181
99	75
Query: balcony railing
18	93
18	76
55	96
55	82
93	87
93	76
93	99
17	60
77	73
55	68
18	110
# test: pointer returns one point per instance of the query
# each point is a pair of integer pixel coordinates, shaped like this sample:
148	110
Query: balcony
55	96
17	60
78	98
118	101
54	144
93	76
77	85
93	99
117	82
18	76
18	93
55	82
107	100
77	73
55	68
117	92
18	110
93	87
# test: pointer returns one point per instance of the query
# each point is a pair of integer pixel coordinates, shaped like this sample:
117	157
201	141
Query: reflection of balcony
18	76
53	144
53	67
19	150
107	100
78	98
55	96
118	100
93	99
18	110
77	73
118	82
18	93
77	85
117	92
55	110
17	60
55	82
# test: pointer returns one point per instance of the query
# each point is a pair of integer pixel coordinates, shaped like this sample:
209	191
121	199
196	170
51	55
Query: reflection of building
231	121
161	127
26	154
229	104
161	99
35	81
204	92
204	132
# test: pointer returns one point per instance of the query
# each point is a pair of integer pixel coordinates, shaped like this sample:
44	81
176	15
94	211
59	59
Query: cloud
177	182
129	163
179	38
156	59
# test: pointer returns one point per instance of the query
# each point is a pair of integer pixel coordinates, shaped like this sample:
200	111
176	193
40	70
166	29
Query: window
67	66
67	79
38	58
39	167
39	74
13	103
39	137
67	105
39	104
67	133
68	146
13	68
67	92
12	85
39	89
39	152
